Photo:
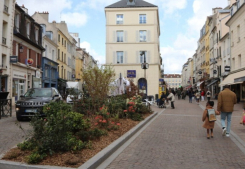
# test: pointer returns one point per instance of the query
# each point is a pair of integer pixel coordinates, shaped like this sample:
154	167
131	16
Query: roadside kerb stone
99	158
90	164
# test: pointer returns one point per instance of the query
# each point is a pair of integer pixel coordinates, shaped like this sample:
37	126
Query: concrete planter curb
94	161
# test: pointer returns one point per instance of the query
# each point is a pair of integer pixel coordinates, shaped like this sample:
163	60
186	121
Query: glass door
21	90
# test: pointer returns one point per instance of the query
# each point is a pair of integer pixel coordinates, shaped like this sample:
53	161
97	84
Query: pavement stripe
108	161
233	136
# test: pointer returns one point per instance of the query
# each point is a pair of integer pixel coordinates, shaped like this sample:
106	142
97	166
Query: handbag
211	115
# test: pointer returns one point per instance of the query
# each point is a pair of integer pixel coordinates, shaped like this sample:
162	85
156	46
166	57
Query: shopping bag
211	115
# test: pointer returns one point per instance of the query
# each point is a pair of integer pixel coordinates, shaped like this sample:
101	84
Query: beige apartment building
132	38
173	81
6	34
236	77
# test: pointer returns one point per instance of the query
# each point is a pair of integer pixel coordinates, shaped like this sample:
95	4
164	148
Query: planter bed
76	159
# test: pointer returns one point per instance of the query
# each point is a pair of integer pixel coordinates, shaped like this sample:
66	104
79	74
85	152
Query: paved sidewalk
176	140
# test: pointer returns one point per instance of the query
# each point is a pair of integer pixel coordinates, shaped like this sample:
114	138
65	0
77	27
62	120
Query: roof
138	4
172	76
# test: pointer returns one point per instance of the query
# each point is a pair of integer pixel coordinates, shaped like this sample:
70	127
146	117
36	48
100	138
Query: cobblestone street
177	140
10	133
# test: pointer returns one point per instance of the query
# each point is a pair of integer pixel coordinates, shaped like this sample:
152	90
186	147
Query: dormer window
131	2
36	35
28	29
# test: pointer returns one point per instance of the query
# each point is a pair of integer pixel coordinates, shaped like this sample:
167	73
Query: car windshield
72	91
39	93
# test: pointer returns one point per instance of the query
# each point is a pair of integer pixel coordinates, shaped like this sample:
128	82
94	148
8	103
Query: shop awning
230	79
213	82
199	83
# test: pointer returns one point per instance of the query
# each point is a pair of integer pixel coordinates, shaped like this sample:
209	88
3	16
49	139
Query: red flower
100	121
104	121
112	122
107	113
44	119
97	117
125	111
95	124
118	124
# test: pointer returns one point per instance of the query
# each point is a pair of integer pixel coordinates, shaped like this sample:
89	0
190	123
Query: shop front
3	83
18	84
50	73
242	87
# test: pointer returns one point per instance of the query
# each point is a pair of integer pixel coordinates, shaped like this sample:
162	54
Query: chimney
45	15
25	9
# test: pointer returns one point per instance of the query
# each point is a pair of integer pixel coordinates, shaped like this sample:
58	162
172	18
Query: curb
91	163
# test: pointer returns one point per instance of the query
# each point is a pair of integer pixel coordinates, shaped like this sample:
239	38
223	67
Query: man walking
171	98
190	93
226	101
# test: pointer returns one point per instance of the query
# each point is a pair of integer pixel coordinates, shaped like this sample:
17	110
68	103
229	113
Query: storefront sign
227	68
131	73
13	59
29	62
19	75
38	74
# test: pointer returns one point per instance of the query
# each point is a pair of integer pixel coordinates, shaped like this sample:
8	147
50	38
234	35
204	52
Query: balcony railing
6	9
4	40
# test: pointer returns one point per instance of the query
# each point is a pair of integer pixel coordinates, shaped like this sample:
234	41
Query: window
62	41
143	55
62	56
119	19
43	28
28	29
142	19
36	35
58	54
46	71
65	43
119	36
238	33
142	36
239	61
52	54
59	37
49	34
233	64
17	22
46	52
119	57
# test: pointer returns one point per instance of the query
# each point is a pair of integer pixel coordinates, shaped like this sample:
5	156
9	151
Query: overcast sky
180	23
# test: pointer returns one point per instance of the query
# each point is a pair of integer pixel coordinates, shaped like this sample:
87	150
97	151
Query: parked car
33	100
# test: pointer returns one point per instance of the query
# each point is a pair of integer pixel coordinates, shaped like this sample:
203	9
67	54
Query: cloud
185	44
54	7
75	19
95	4
92	52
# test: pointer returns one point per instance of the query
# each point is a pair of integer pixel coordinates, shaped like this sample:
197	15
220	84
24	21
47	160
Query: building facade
173	81
132	38
27	46
6	34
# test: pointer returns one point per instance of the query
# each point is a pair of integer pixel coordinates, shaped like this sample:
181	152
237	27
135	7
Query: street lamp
144	66
62	71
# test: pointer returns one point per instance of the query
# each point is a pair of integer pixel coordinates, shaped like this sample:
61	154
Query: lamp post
144	66
62	71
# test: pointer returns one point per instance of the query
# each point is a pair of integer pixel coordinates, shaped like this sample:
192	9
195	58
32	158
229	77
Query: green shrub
26	145
35	158
86	136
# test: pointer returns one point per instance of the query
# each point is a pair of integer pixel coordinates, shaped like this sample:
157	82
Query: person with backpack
208	95
209	118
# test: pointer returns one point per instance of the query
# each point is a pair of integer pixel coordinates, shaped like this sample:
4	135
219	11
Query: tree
97	84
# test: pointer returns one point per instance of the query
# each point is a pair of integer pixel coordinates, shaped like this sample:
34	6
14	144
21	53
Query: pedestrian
206	118
197	97
190	94
203	95
208	95
162	100
226	101
171	98
243	115
179	94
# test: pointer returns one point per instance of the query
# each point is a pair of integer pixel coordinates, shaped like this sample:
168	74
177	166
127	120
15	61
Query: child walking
209	125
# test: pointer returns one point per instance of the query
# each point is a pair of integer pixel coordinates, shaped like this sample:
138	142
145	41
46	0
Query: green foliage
55	133
116	104
35	158
86	136
97	84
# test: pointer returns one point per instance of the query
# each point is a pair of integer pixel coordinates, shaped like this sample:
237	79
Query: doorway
142	85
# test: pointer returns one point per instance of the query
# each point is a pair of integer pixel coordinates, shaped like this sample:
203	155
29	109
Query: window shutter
137	57
148	36
125	57
125	36
137	36
148	56
114	57
114	37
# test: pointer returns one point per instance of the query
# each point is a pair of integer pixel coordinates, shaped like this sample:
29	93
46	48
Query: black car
34	100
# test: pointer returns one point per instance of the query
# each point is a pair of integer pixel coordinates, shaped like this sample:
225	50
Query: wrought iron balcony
6	9
4	40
